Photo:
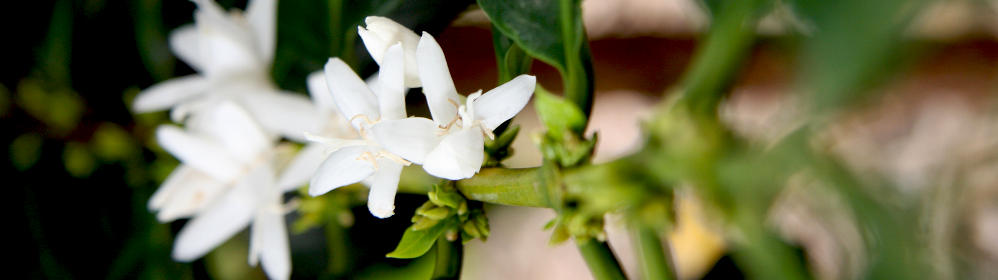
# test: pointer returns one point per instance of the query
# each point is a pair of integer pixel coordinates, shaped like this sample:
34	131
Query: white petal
351	94
169	93
384	185
502	103
185	193
198	152
391	85
319	92
441	96
227	48
269	243
238	132
341	168
459	155
301	168
184	44
223	219
409	138
383	32
287	114
262	18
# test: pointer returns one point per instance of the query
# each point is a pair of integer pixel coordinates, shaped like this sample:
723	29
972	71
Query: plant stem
449	257
577	75
516	187
719	57
654	255
600	259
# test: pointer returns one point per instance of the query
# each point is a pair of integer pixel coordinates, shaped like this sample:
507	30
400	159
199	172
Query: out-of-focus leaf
304	43
111	142
853	45
150	37
420	268
25	151
79	161
57	107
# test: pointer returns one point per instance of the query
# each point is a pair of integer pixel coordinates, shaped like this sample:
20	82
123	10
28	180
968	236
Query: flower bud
381	33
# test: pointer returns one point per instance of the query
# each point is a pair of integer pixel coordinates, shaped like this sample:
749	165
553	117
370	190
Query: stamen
486	131
394	157
367	156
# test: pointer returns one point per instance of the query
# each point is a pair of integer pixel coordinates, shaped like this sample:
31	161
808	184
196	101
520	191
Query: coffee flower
232	53
381	33
451	145
226	181
356	160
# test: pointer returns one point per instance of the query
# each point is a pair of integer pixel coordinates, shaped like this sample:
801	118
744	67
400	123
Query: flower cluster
450	146
234	171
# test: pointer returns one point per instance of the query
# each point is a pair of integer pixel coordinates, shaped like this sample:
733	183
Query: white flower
226	181
381	33
331	125
357	160
232	54
451	145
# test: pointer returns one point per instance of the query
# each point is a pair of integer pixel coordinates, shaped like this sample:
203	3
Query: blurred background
82	166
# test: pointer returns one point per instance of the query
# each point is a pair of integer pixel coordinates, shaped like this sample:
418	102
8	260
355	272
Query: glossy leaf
551	31
415	243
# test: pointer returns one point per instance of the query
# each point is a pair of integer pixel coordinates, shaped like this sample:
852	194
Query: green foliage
78	160
416	242
551	31
853	45
25	151
445	212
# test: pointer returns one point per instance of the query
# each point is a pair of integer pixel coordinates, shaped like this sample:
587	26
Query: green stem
577	75
337	243
654	255
516	187
719	57
600	259
448	261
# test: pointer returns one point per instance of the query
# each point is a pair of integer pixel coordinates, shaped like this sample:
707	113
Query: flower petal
238	132
301	168
226	47
409	138
352	96
184	44
287	114
343	167
262	17
169	93
198	152
269	242
223	219
319	92
384	185
441	96
381	33
184	193
391	85
459	155
502	103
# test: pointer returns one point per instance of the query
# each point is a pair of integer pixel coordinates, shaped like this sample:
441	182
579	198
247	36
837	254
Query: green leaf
415	243
558	115
854	45
551	31
304	45
511	60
